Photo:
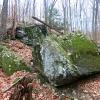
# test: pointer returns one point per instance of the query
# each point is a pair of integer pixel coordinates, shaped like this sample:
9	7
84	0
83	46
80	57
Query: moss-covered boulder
10	62
67	58
30	35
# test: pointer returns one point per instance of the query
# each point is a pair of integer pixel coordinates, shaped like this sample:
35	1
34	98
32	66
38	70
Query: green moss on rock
10	62
52	41
83	52
89	62
76	45
66	58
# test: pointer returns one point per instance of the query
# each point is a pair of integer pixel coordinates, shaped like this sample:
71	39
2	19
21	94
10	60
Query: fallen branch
23	90
46	25
15	83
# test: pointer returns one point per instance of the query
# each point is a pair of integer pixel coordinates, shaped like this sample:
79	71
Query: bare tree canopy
68	15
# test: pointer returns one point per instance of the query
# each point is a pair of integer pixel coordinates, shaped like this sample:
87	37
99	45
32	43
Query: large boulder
67	58
29	34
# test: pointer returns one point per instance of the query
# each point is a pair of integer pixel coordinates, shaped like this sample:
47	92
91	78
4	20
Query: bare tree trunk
46	11
96	15
93	11
29	10
23	13
81	8
50	12
80	16
9	8
94	19
86	22
34	2
19	11
34	5
70	16
65	20
40	13
75	15
4	15
64	5
14	18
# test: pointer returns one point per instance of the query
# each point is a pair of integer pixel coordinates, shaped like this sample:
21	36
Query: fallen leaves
22	50
89	86
40	91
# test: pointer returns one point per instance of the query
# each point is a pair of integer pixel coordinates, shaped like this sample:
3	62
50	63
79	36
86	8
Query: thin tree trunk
34	5
70	16
14	19
50	13
46	11
4	15
19	11
96	15
64	5
65	20
94	19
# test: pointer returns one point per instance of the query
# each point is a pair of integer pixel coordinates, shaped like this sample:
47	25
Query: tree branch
15	83
46	25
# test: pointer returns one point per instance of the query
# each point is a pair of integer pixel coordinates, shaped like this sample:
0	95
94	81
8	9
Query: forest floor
40	91
87	89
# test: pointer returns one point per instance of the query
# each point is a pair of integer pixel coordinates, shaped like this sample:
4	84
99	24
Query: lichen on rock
67	58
